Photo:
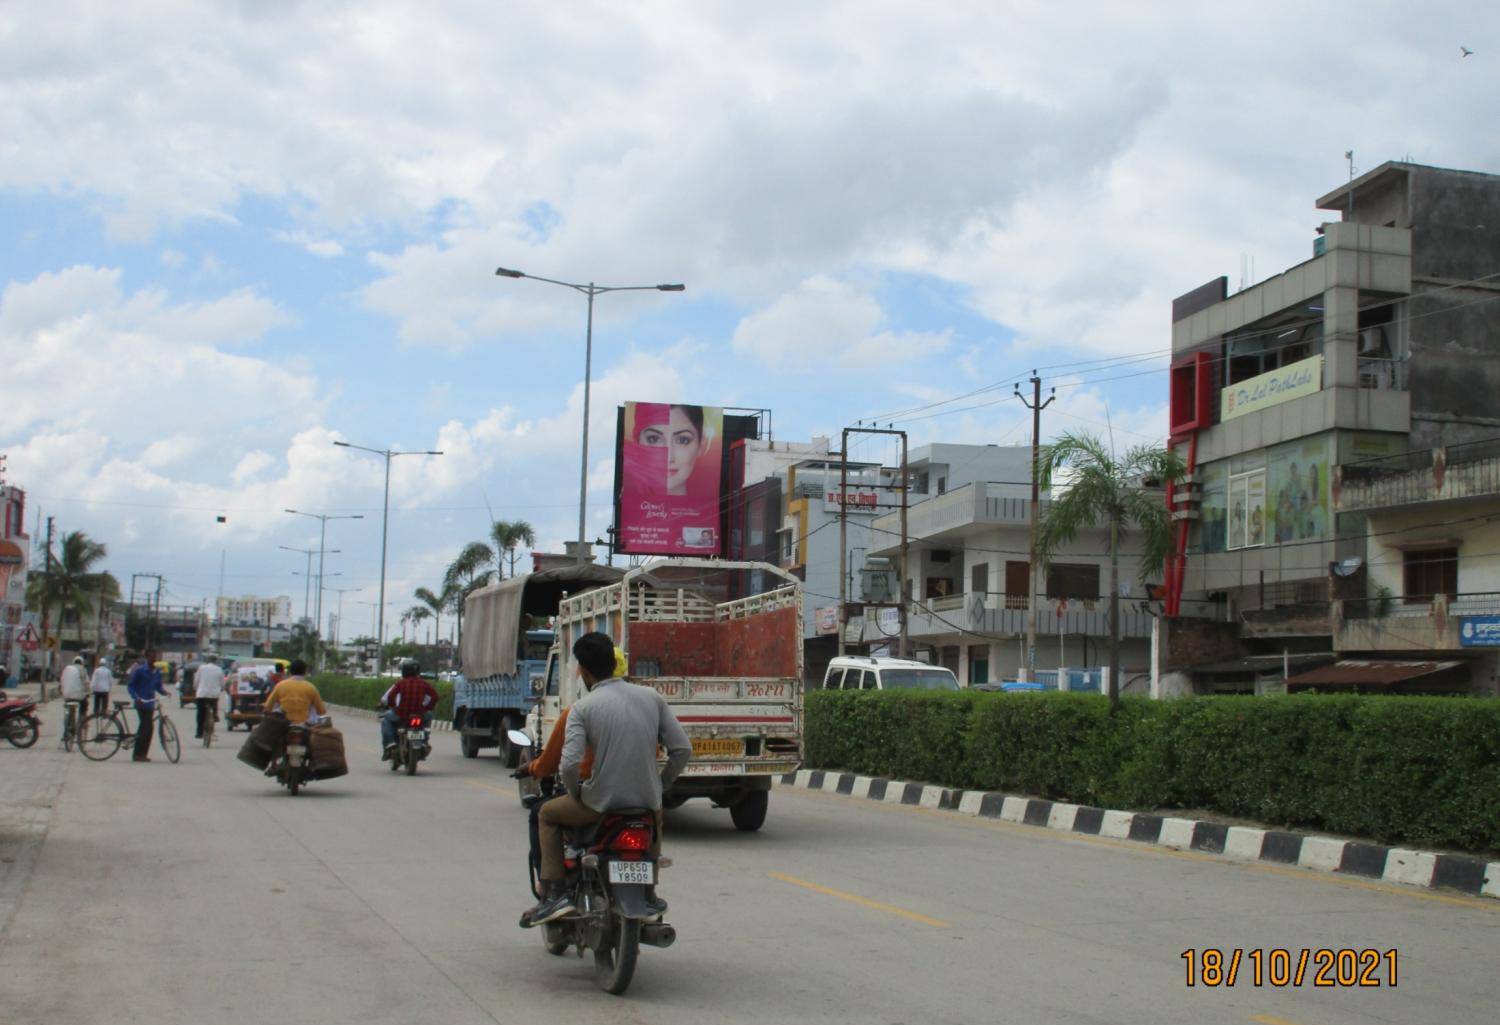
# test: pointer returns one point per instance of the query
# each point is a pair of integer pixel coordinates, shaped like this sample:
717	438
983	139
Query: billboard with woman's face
671	460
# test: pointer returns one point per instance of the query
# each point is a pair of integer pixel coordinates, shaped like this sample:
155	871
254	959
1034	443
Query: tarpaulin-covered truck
503	660
722	641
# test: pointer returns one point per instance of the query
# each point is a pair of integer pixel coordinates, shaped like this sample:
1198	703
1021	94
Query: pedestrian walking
208	684
144	685
75	692
102	682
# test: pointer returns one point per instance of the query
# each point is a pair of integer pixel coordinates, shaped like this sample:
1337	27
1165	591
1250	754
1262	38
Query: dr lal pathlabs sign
1289	382
1479	632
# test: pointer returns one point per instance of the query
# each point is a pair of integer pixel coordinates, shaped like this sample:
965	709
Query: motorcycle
610	867
291	767
412	745
18	724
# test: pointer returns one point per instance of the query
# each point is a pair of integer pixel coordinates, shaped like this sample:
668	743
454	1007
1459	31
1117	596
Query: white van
868	672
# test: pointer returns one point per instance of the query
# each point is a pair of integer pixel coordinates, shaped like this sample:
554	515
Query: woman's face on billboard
684	444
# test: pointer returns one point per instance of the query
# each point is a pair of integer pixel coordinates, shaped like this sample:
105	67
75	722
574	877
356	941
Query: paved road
201	892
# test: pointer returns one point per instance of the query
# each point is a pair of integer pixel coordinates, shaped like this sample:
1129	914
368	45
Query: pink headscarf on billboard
669	490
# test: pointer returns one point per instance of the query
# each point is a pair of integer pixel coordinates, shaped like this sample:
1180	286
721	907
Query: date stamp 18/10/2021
1323	967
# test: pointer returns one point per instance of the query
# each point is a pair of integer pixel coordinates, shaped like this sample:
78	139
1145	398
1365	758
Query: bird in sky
1466	51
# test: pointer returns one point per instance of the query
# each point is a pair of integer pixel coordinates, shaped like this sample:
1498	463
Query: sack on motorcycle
269	734
325	753
254	755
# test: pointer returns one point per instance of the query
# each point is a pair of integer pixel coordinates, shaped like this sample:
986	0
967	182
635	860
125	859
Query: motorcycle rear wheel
22	730
411	766
294	779
614	962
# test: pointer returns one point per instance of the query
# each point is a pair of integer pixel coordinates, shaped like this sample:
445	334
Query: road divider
1476	877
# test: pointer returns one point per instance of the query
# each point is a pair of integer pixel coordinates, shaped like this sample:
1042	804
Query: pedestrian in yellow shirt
296	697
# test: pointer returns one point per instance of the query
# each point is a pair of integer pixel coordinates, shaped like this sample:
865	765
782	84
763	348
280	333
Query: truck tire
510	755
467	743
749	812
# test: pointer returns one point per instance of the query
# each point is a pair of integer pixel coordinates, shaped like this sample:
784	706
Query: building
250	610
969	577
1341	422
15	545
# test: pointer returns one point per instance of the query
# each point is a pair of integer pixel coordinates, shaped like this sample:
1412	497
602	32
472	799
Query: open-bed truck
722	642
503	660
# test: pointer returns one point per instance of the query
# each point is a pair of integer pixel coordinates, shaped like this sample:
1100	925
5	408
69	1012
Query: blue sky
238	232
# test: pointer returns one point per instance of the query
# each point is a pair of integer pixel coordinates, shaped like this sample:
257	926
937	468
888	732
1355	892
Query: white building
254	611
14	548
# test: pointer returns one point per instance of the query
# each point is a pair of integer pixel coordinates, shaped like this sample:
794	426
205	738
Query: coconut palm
1091	486
72	585
436	605
466	574
507	537
415	615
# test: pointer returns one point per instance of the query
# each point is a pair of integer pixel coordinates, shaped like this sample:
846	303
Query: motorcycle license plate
416	735
642	873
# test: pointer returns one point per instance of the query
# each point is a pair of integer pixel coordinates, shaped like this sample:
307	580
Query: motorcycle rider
297	698
622	724
411	695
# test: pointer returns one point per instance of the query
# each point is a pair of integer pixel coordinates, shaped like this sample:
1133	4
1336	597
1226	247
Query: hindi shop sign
1479	632
1292	381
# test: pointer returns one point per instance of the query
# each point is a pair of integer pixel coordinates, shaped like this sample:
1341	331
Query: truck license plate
642	873
717	746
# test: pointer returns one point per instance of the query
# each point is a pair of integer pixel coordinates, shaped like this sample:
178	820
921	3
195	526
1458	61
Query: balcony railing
1467	470
1391	623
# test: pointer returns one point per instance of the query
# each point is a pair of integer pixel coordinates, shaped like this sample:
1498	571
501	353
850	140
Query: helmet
410	669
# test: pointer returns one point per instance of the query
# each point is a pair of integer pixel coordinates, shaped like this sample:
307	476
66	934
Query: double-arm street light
339	616
322	519
385	516
307	584
589	290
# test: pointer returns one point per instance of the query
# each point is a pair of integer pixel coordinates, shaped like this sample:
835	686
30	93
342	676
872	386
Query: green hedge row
366	693
1416	770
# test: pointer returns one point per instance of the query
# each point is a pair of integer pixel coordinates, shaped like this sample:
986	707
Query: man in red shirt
409	696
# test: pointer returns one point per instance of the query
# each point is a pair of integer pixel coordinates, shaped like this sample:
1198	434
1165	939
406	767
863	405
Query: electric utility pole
843	504
1036	405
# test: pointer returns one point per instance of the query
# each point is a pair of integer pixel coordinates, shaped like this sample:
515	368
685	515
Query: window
1247	510
870	681
1079	580
979	664
1017	585
552	678
1429	572
1266	349
833	677
979	578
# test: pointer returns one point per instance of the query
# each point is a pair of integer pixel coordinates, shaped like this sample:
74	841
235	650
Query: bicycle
101	736
210	725
77	711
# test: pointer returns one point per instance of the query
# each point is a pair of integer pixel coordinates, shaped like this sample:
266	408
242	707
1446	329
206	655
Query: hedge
1416	770
366	693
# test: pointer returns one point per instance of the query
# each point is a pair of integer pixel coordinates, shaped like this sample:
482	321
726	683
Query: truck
506	641
722	642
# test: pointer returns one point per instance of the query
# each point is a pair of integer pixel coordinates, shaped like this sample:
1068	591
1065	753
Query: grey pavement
203	892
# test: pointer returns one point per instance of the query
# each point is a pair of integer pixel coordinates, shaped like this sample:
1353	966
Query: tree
436	605
415	615
72	585
507	537
1090	486
467	574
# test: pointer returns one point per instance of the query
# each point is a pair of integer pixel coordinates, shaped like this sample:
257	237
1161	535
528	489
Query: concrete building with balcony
969	582
1318	409
250	610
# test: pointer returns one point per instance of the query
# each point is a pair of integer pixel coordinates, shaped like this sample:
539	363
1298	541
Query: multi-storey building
250	610
15	545
1341	419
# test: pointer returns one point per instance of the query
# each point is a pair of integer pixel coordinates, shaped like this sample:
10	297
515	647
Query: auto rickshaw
253	680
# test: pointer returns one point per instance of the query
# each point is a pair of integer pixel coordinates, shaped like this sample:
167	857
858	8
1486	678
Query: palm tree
415	615
1093	487
72	585
508	537
466	574
435	604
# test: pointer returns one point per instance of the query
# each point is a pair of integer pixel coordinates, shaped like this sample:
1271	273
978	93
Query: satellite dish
1348	567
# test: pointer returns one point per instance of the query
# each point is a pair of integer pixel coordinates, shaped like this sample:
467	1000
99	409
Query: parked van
869	672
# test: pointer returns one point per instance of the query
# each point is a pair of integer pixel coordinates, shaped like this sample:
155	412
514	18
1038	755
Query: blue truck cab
486	707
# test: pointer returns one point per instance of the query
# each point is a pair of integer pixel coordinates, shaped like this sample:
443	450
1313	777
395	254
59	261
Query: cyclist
208	684
75	692
410	695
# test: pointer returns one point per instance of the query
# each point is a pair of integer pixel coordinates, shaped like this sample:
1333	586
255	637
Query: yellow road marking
1271	1019
1291	871
508	791
855	898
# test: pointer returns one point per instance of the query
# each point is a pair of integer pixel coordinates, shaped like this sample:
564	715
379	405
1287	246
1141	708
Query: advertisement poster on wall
671	462
1215	507
1299	499
1247	510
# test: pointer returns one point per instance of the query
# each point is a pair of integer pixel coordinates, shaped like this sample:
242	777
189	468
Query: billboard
670	470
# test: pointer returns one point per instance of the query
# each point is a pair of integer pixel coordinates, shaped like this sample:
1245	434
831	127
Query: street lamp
589	290
385	515
322	519
341	591
307	585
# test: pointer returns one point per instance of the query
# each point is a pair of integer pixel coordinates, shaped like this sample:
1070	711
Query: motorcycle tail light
416	722
633	838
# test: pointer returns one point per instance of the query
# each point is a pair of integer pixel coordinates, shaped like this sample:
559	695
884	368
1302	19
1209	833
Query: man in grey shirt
622	724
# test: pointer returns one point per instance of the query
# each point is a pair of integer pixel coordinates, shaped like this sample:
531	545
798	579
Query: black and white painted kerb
1474	876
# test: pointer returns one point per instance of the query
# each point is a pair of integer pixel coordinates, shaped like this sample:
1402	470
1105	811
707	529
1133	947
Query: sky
236	232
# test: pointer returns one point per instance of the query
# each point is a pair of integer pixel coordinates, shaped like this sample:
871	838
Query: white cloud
828	322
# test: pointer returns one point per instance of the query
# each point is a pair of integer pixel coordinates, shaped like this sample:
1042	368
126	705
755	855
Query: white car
869	672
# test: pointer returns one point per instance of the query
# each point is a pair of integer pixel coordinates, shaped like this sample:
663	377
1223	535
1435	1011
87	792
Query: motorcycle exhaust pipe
659	935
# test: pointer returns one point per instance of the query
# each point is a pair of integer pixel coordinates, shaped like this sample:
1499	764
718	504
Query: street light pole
341	591
385	516
590	290
307	575
322	519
